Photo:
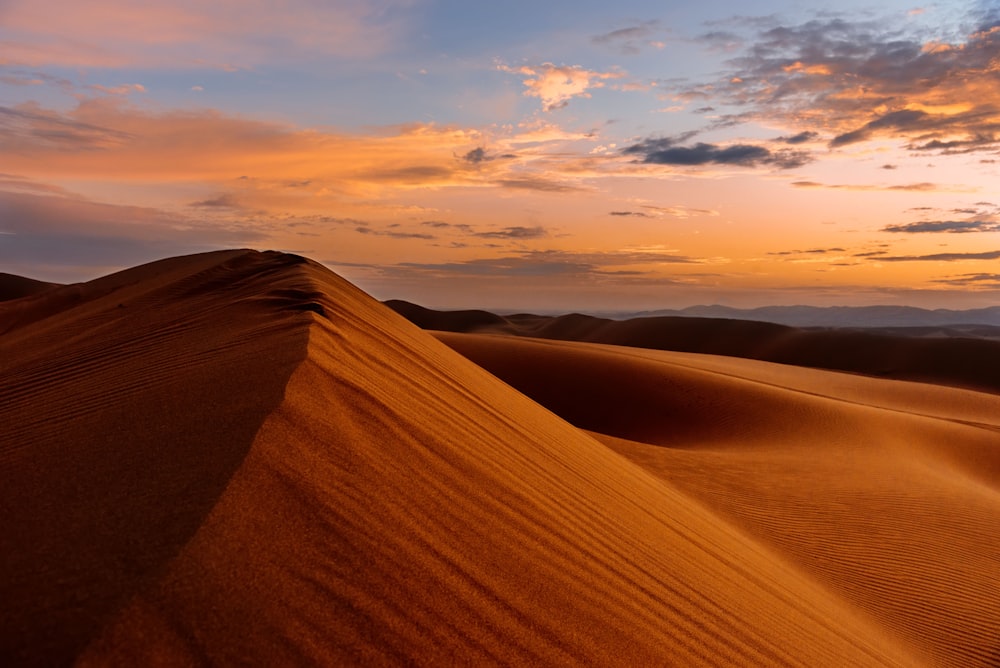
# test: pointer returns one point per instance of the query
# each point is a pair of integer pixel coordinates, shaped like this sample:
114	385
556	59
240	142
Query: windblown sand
239	458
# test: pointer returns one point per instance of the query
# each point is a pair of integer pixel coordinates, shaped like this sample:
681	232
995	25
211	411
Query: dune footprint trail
240	458
886	493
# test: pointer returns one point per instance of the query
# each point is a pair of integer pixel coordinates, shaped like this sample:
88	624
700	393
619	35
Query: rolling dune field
240	458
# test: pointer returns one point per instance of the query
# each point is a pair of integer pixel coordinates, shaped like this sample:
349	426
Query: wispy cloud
900	187
556	262
651	211
974	281
942	257
41	229
189	34
630	40
393	233
514	232
950	226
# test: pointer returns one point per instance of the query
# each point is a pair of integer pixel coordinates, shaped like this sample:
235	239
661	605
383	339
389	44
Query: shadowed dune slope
122	418
885	492
15	287
251	462
957	359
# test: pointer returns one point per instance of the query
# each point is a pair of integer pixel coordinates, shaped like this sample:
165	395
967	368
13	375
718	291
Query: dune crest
240	458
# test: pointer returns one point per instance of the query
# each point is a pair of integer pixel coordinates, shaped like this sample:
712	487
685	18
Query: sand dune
15	287
957	359
885	492
239	458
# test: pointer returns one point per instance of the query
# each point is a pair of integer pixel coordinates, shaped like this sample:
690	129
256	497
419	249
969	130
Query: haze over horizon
551	156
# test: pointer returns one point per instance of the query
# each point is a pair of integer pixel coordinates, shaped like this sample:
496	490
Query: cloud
866	80
123	89
665	151
942	257
904	187
43	230
514	232
666	211
476	155
800	138
554	263
631	39
538	183
28	126
951	226
556	85
810	251
393	234
971	280
191	34
224	201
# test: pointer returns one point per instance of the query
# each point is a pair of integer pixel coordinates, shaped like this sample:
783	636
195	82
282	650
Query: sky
546	156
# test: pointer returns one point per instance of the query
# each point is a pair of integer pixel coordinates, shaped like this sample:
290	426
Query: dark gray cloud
950	226
514	232
902	120
442	225
638	214
942	257
800	138
665	151
393	234
224	201
476	156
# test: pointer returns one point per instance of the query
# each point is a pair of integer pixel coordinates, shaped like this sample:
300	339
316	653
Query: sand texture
238	458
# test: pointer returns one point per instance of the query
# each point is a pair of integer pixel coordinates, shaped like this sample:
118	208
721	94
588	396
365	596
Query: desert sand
239	458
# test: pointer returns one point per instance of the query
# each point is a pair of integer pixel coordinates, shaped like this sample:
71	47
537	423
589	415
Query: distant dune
14	287
239	458
954	359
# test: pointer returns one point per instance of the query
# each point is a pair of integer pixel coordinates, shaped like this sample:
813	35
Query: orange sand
237	457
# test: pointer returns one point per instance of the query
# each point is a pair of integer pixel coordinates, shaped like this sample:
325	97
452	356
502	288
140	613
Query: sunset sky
517	155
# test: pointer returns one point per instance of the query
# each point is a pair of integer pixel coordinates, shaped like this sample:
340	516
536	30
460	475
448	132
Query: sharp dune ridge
239	458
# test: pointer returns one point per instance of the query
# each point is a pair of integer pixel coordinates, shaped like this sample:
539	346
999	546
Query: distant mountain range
965	355
840	316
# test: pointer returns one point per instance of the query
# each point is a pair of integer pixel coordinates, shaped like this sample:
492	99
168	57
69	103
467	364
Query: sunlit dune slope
886	492
957	359
239	458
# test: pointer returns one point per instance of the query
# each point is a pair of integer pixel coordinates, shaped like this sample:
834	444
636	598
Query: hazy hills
954	357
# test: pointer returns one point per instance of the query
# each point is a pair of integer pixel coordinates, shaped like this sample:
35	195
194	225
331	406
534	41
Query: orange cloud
270	166
556	85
